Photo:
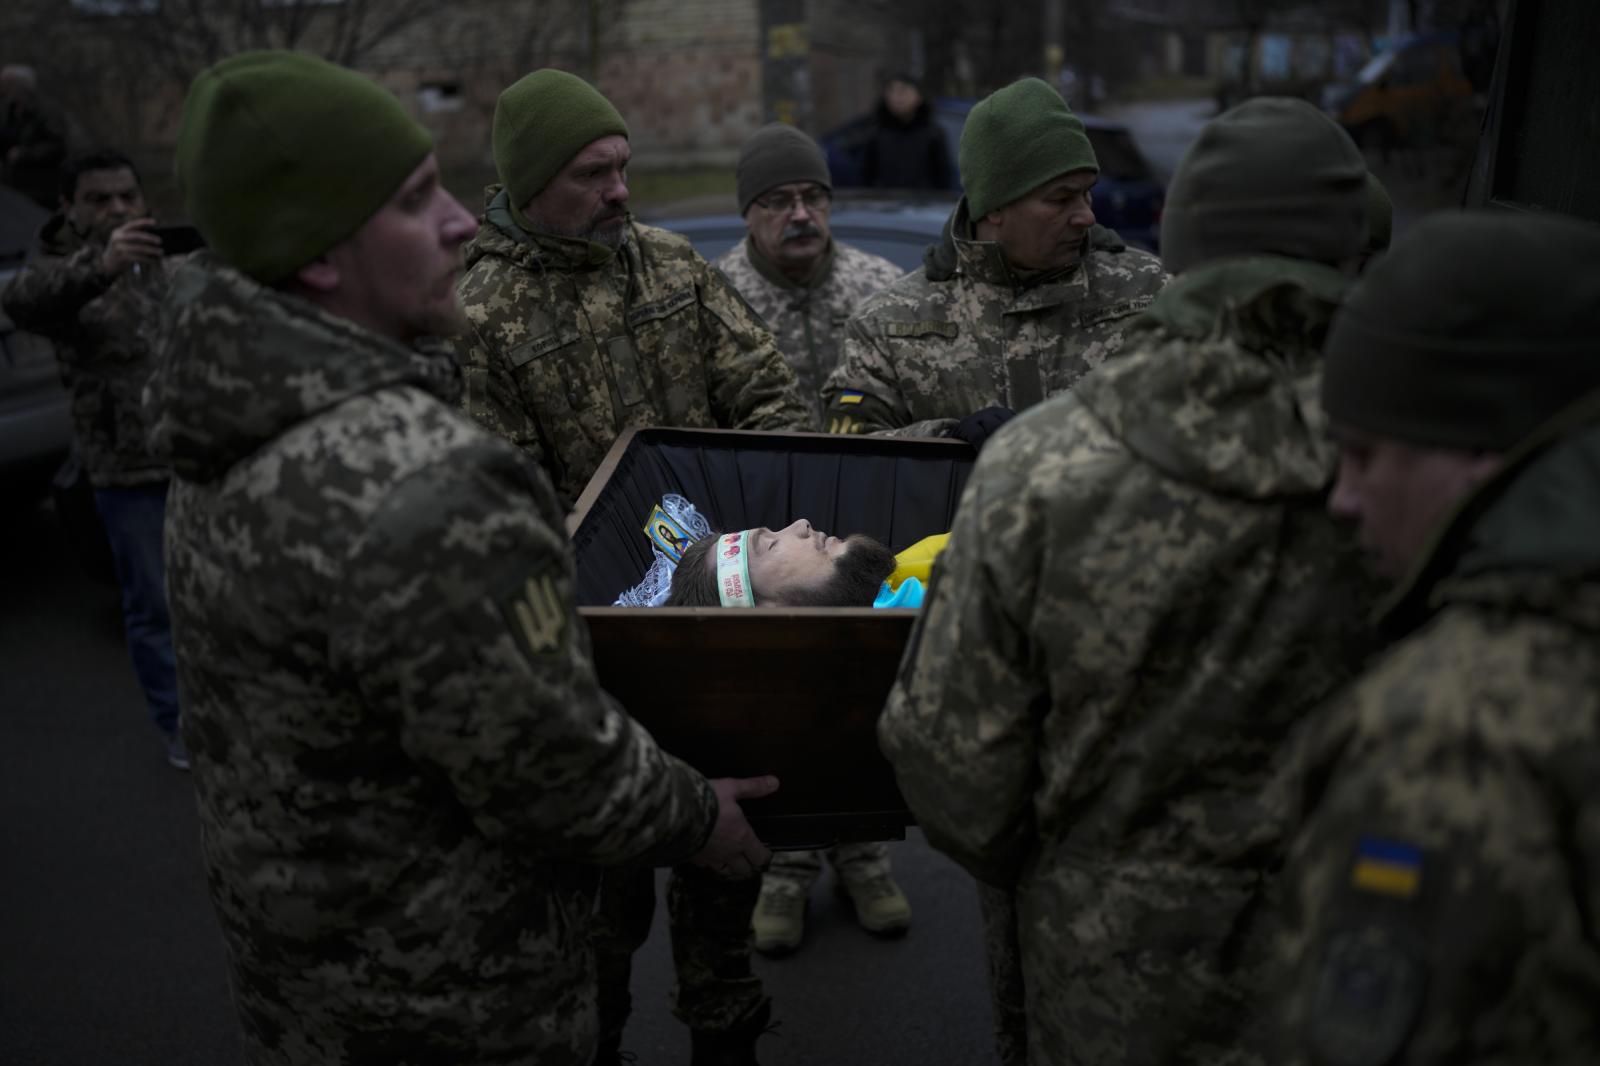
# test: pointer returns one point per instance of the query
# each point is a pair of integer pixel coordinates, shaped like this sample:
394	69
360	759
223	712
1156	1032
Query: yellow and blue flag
850	396
1387	867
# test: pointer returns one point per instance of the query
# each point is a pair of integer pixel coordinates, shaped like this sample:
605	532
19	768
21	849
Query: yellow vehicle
1413	93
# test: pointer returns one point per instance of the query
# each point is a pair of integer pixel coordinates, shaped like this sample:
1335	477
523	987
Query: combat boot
779	921
881	908
730	1047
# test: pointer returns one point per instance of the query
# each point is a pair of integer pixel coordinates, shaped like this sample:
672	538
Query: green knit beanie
1273	176
1017	139
775	155
541	122
1475	328
282	155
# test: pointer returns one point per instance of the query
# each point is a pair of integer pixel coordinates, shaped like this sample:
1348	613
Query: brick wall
687	77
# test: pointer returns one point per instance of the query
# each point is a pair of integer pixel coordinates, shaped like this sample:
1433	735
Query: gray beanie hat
1473	330
775	155
1273	176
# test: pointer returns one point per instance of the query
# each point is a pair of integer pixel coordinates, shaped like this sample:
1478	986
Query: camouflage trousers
852	862
1007	989
709	921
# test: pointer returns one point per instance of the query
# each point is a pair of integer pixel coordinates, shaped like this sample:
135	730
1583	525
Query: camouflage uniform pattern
569	348
1475	743
1140	599
104	329
967	332
808	320
405	768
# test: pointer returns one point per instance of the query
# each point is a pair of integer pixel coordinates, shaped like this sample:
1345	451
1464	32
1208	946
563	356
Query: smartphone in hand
179	240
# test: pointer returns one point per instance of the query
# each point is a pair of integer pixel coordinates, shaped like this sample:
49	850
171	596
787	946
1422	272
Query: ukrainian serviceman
1442	886
1022	296
806	285
585	323
405	769
95	286
1140	600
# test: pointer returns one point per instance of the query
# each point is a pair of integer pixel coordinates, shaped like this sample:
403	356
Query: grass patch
653	189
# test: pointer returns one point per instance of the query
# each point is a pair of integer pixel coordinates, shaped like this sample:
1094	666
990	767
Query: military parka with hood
1444	879
969	331
572	343
104	329
405	767
1141	597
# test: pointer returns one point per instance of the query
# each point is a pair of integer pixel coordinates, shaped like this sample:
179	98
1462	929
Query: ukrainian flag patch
1387	868
850	397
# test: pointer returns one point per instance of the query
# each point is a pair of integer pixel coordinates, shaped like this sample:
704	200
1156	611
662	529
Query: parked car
35	423
1128	197
1406	93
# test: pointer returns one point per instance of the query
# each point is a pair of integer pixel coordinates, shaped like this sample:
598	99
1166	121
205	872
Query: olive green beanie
1273	176
282	155
542	121
1015	140
775	155
1475	328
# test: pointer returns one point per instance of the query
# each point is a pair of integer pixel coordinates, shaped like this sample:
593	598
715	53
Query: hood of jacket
1220	387
500	235
1526	537
240	363
956	251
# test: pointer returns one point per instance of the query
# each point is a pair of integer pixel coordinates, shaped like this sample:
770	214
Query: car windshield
1119	158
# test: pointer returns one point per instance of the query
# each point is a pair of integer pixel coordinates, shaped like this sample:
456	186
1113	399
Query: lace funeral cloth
652	591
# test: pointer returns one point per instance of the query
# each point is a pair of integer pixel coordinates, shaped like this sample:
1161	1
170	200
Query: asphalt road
109	952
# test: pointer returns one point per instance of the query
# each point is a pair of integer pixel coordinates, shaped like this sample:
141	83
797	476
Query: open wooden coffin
794	692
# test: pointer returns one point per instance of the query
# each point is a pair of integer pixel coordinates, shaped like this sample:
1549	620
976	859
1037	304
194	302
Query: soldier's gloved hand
733	850
980	425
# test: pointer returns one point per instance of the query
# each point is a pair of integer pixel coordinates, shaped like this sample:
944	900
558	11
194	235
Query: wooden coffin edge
608	465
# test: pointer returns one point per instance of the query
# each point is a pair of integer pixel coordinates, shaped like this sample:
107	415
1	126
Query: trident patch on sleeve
538	617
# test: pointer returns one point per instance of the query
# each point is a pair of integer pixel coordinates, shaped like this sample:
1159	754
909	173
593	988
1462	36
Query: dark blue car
1127	197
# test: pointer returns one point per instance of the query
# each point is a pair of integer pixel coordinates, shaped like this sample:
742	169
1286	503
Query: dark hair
856	578
79	165
694	582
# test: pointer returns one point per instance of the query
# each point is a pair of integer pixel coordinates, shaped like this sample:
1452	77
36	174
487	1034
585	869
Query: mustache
796	230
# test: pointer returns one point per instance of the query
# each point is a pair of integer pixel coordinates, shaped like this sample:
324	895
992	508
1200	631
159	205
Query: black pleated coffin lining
896	491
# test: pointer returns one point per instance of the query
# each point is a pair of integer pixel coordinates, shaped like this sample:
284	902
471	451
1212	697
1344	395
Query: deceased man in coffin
799	566
793	686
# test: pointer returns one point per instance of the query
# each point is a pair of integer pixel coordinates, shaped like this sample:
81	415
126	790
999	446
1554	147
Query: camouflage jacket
808	320
568	348
103	326
965	332
1140	599
403	762
1443	886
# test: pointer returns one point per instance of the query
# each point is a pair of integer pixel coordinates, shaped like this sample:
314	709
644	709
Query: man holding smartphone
95	285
